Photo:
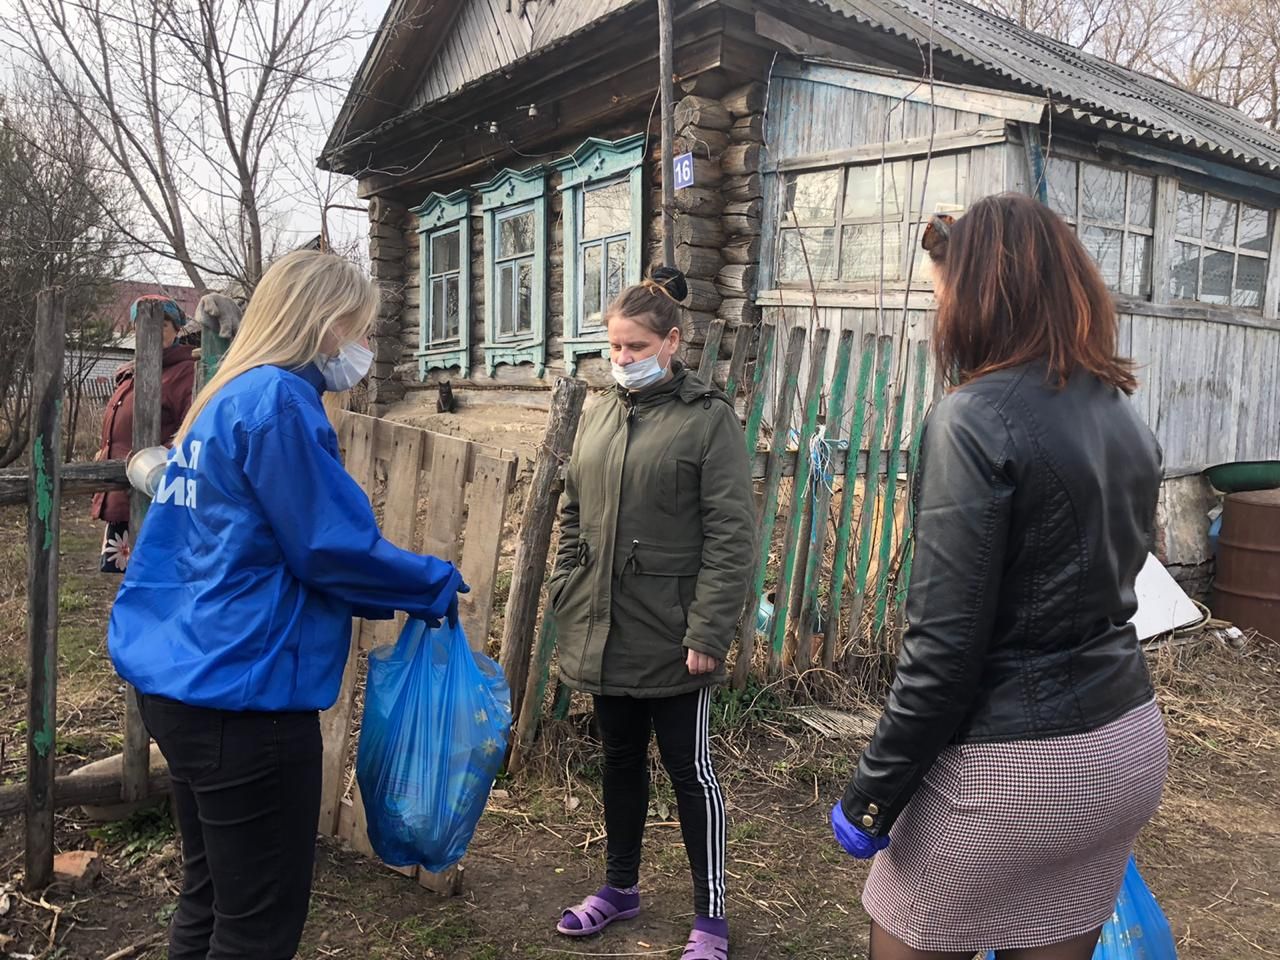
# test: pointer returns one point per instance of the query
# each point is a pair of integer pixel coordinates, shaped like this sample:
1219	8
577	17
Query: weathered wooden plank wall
1206	386
1207	389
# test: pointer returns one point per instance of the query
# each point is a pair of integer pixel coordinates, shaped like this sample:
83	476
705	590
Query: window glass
811	198
1220	221
874	192
592	260
1190	212
606	211
1142	207
1255	229
1251	279
1060	180
515	235
1185	278
444	252
802	252
1102	194
1103	245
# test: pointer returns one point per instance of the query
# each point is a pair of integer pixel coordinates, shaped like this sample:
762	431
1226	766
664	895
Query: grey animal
219	314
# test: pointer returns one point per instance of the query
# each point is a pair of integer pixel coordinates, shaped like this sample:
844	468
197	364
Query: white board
1162	604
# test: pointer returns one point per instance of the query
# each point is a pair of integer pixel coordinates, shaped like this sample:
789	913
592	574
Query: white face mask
347	368
640	373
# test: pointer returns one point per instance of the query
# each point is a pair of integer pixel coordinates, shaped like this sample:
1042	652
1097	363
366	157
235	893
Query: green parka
657	539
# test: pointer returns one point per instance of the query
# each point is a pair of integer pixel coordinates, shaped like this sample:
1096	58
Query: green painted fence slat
890	498
799	495
917	430
756	397
738	361
822	502
711	351
845	526
871	485
773	480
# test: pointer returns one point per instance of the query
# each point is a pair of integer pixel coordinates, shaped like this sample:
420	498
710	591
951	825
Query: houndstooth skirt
1022	844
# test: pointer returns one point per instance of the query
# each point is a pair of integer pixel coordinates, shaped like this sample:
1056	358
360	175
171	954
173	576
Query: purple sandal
594	914
705	946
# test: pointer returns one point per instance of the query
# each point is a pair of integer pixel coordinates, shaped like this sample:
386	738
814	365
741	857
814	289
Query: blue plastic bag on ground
1138	929
433	738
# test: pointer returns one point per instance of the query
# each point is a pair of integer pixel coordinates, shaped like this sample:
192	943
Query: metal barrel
1246	586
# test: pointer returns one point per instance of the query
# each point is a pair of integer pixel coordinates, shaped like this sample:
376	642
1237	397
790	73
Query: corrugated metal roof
1152	107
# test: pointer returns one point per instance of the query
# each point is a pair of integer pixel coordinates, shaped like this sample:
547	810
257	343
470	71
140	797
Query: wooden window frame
509	193
596	163
437	215
499	261
1126	229
912	152
1205	245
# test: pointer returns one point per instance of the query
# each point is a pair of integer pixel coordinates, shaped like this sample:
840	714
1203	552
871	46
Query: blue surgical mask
347	368
640	373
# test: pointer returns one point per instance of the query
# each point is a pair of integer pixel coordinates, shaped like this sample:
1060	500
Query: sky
300	221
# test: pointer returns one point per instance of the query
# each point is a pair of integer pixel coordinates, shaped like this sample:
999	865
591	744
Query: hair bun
673	281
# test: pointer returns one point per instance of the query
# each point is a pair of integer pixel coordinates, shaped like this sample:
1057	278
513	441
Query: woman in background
1021	749
176	378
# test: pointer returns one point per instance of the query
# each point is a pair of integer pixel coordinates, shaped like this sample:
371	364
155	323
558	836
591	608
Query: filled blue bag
433	738
1138	929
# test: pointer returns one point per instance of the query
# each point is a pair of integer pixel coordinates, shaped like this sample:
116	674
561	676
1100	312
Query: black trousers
682	724
246	790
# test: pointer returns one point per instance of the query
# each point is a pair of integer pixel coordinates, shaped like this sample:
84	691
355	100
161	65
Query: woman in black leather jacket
1021	750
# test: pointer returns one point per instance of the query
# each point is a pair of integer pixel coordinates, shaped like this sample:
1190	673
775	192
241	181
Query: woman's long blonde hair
301	297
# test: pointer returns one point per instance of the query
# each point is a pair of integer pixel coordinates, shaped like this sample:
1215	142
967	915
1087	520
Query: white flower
116	550
482	716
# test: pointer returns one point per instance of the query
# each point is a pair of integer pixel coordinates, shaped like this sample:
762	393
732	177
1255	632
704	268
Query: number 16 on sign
682	171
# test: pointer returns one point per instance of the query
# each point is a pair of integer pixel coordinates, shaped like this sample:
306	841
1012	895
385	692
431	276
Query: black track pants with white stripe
681	724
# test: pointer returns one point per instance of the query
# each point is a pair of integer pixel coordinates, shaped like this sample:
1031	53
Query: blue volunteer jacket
257	551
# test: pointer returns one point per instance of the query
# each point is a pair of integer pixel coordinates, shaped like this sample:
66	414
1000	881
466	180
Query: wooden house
509	153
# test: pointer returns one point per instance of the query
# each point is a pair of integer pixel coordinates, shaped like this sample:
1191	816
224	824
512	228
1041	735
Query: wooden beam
535	539
666	91
49	347
148	367
1007	106
801	43
77	478
980	135
83	790
449	149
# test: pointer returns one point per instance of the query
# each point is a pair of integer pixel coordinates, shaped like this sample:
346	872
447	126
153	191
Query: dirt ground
1212	856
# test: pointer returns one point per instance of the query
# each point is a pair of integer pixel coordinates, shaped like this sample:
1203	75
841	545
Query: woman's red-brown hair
1018	287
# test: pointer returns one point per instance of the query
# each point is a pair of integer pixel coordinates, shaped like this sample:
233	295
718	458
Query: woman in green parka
656	542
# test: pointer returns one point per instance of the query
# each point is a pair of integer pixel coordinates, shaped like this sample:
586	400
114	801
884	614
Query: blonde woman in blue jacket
234	617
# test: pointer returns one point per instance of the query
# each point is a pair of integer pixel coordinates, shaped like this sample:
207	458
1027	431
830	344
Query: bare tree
1233	56
1228	50
59	203
202	105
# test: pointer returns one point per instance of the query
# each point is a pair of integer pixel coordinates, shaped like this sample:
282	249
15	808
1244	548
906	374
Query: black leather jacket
1033	515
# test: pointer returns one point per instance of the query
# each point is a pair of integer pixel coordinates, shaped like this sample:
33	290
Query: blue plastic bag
434	735
1137	929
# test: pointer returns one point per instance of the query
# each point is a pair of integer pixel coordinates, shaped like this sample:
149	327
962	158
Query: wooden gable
488	35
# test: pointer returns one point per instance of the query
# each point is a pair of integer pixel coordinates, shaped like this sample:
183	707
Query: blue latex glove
856	842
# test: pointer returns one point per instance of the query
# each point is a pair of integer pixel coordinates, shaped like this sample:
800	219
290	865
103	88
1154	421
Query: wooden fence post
535	536
42	584
212	348
148	347
787	387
